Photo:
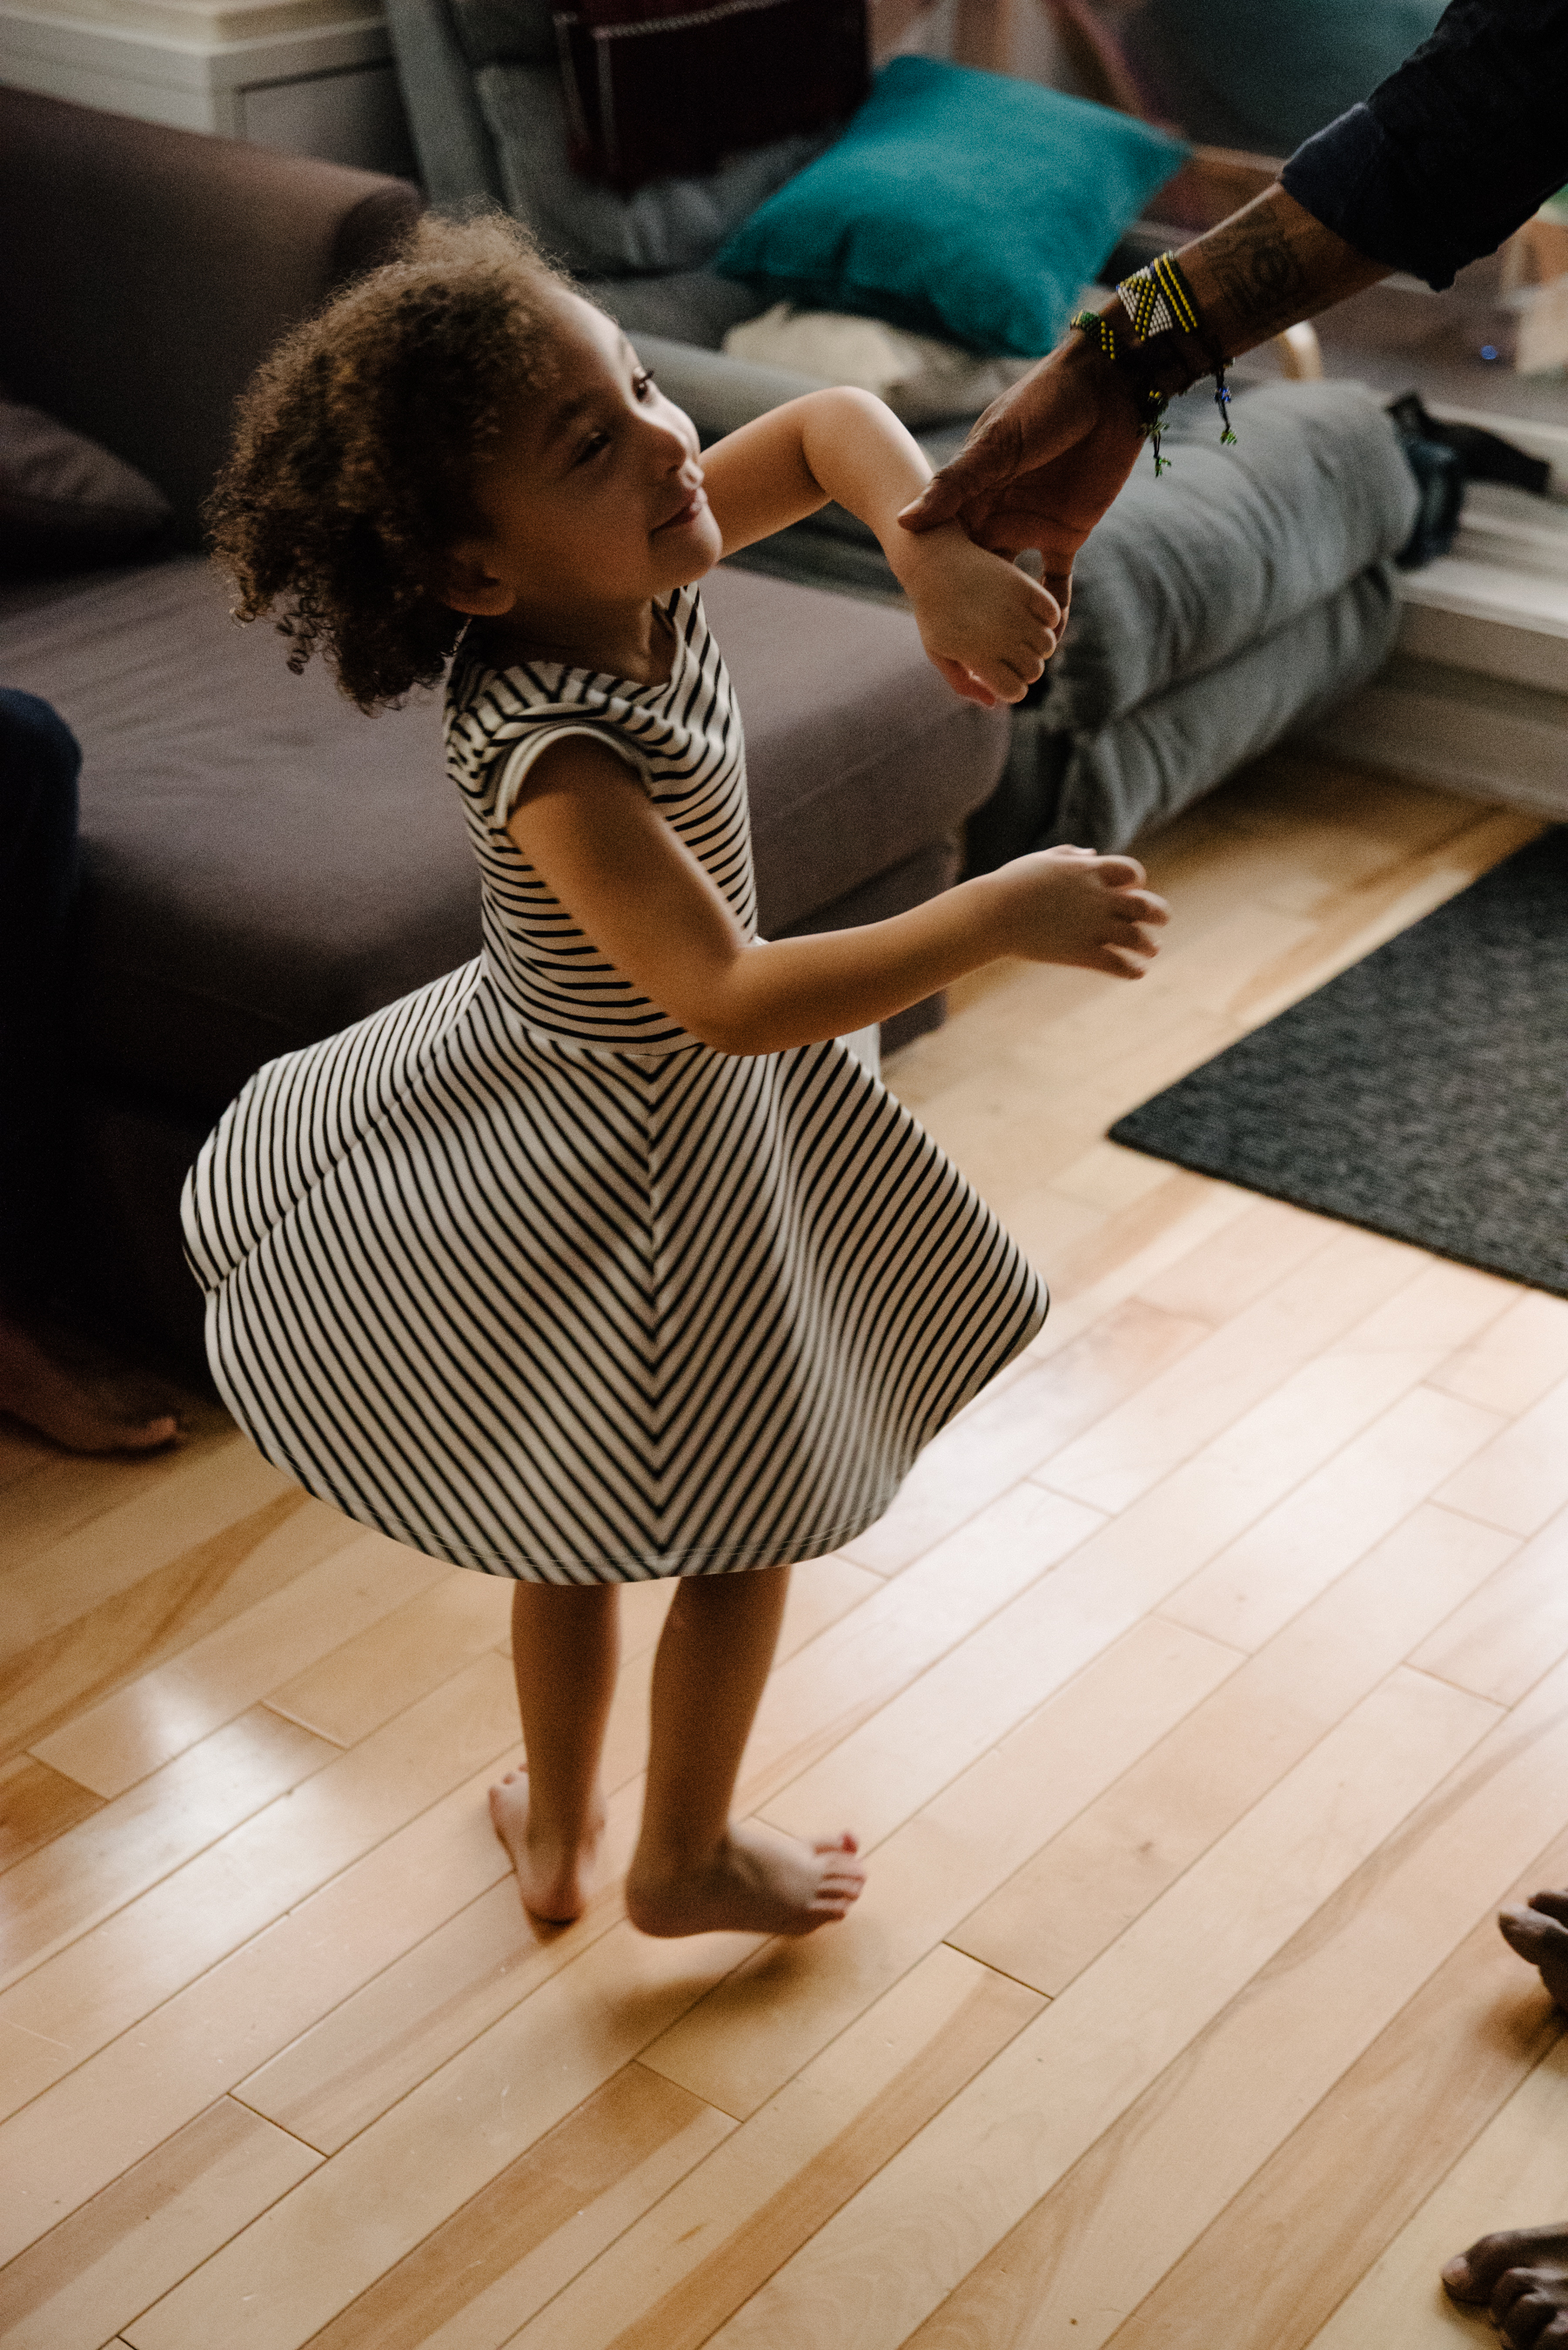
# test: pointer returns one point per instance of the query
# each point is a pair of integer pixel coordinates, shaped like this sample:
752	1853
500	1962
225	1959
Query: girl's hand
1070	906
986	626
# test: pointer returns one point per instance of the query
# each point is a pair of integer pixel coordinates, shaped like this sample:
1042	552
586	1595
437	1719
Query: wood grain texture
1521	1480
700	2252
539	2223
738	2046
163	1712
1199	1699
60	1893
172	1602
941	2206
36	1805
1069	1903
1310	2224
1005	1434
296	2268
157	2221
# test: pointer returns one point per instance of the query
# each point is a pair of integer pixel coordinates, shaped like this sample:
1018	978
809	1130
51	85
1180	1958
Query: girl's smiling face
593	498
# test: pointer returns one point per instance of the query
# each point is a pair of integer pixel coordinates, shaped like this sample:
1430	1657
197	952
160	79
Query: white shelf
290	74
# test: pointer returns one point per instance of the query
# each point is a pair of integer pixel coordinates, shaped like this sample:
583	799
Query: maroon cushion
65	503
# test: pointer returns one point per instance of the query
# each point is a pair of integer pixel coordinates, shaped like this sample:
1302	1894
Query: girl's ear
468	584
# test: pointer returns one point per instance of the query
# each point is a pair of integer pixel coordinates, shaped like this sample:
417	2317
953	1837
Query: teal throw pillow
957	204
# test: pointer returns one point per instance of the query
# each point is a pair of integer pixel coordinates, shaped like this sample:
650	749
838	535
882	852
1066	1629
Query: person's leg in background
39	764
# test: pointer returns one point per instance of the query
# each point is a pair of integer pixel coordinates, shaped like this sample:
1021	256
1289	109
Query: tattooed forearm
1268	266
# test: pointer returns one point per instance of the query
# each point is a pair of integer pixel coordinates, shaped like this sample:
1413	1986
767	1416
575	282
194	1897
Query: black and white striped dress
522	1274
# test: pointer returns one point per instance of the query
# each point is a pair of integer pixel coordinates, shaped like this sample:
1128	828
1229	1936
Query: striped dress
522	1274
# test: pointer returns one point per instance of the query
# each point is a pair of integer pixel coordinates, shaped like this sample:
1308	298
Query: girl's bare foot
556	1879
1522	2275
1539	1932
758	1882
72	1408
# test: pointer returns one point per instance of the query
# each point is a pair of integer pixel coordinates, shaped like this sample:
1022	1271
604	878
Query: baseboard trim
1483	736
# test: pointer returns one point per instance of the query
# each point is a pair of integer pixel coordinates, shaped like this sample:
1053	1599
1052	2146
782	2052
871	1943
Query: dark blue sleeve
1454	151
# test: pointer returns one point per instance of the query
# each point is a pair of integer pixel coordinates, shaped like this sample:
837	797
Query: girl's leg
695	1870
566	1648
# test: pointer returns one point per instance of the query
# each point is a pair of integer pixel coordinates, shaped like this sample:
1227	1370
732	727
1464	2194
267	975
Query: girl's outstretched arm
638	892
988	628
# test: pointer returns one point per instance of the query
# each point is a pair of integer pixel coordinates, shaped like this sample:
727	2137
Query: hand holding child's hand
985	625
1070	906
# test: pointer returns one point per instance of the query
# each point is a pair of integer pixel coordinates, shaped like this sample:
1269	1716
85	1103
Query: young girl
599	1259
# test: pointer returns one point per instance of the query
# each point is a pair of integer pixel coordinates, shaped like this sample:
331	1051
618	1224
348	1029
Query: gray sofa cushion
1231	544
671	224
1104	789
265	865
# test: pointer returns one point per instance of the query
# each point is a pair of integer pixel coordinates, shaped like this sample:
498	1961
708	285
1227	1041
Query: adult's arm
1448	156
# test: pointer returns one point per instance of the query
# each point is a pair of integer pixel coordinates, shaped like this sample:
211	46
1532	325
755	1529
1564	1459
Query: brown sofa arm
144	272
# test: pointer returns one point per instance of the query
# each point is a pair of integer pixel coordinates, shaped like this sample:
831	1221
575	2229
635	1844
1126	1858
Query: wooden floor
1199	1700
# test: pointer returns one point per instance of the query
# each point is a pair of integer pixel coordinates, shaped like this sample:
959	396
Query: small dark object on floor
1423	1093
1483	456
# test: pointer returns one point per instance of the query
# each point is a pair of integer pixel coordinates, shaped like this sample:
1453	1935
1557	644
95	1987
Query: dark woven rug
1423	1093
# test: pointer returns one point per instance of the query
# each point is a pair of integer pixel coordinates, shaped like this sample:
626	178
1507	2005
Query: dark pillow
65	503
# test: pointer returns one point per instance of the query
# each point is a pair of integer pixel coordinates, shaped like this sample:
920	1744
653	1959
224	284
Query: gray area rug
1423	1093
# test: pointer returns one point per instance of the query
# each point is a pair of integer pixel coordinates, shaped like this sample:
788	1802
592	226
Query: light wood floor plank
397	1656
538	2224
1281	1564
36	1805
317	2249
111	2108
1003	1436
403	2027
173	1605
146	1836
698	2255
1511	1630
109	1980
820	1695
110	1746
1263	1245
1317	2216
878	2268
1152	2185
1234	1368
1086	1886
162	1506
738	2046
1513	1362
127	2246
1521	1477
1515	2174
66	1494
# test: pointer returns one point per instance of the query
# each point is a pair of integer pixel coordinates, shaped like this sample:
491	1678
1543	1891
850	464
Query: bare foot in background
1538	1930
1521	2276
75	1407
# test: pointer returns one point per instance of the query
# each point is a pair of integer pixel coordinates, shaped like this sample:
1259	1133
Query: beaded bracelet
1159	301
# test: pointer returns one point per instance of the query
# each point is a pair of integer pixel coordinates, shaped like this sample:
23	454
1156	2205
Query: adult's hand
1041	465
1046	461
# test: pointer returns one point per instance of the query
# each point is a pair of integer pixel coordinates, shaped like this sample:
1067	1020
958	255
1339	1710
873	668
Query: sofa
1272	595
261	863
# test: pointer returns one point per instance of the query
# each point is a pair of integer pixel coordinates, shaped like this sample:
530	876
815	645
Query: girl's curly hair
352	467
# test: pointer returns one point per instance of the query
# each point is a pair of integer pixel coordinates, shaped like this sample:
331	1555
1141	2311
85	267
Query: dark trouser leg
40	763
